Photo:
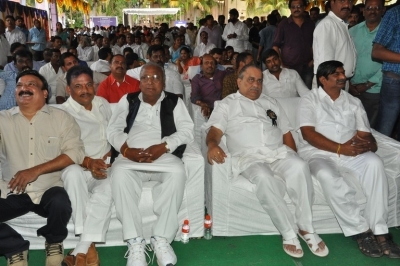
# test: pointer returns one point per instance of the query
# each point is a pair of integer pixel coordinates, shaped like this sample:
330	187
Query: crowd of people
65	154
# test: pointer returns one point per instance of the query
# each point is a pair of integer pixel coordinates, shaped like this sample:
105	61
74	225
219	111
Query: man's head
373	11
250	81
256	21
19	21
229	51
341	8
190	26
84	42
37	24
57	42
156	54
297	8
233	15
152	82
55	57
242	60
47	55
216	53
272	20
209	21
331	75
80	85
73	51
118	66
10	22
99	41
221	20
23	60
157	40
129	38
121	40
204	37
132	60
138	39
208	65
314	14
105	54
354	16
106	42
272	61
248	22
67	61
31	90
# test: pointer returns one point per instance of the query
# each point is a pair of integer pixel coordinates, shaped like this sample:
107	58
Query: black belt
391	74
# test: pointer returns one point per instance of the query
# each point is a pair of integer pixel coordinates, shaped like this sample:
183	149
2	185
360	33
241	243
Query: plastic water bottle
207	227
185	232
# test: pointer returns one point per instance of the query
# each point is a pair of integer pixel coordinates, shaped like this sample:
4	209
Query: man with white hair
85	51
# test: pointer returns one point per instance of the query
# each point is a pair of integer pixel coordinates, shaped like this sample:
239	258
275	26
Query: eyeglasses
153	78
29	85
252	80
345	1
297	7
373	8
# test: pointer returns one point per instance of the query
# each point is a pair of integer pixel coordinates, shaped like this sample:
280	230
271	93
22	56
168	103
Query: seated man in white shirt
85	51
336	139
157	133
67	61
281	82
103	64
98	44
263	151
204	47
87	184
173	82
51	71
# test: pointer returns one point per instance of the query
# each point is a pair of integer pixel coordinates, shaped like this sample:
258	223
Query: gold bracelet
338	150
87	163
125	151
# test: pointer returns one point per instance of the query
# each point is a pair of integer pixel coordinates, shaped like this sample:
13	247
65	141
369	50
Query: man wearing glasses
293	39
151	146
332	40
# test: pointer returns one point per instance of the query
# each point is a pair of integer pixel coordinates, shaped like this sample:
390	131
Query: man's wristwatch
166	147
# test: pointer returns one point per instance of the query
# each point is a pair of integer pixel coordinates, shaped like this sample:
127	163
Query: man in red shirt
118	83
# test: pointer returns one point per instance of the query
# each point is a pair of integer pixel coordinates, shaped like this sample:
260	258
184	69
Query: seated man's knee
72	175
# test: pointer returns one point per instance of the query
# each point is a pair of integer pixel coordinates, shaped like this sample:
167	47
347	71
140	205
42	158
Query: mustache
255	89
25	93
346	8
85	94
341	80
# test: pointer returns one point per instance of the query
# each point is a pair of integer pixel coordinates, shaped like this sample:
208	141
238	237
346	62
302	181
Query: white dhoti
91	202
369	170
272	181
126	182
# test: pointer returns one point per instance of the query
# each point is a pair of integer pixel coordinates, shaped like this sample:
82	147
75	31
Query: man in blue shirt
37	35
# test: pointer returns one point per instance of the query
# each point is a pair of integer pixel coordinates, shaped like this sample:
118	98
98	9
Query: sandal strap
312	239
294	242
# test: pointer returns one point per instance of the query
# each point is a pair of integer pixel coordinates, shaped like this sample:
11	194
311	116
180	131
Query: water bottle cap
186	222
208	217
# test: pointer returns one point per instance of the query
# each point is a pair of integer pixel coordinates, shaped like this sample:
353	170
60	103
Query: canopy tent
151	11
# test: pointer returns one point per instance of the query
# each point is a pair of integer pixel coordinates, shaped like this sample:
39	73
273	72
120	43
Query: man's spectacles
373	8
297	7
154	78
252	80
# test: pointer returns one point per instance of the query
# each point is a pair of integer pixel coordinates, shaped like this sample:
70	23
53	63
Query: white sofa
236	211
192	208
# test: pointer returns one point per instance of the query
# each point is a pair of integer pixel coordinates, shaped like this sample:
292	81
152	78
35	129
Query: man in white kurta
263	151
336	139
204	47
146	156
281	82
332	40
51	71
85	51
236	32
87	184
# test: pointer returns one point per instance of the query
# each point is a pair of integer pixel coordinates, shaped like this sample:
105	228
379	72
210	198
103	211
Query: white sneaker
163	250
136	253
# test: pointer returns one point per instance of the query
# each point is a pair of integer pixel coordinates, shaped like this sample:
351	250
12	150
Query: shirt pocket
50	147
349	119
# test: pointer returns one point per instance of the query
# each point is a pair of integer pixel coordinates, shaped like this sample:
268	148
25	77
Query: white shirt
250	134
289	84
85	54
95	53
116	49
337	120
173	82
137	49
188	42
48	72
146	129
101	66
202	49
4	50
332	41
93	125
241	30
15	36
144	46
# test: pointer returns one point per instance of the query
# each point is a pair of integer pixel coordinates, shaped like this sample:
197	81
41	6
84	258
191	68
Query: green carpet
246	251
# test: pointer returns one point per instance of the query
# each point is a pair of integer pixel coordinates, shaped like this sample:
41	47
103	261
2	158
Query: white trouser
368	169
126	182
272	181
91	202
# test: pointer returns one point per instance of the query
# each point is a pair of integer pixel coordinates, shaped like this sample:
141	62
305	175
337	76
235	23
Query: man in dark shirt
293	39
254	37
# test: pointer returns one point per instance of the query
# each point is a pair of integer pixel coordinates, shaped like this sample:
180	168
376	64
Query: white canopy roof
150	11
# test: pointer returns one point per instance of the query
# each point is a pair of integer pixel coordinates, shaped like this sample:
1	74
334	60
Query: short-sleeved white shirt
289	84
337	120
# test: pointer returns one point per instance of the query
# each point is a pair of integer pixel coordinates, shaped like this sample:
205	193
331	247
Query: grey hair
151	64
241	72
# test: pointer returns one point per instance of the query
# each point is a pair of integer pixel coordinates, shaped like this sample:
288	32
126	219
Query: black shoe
389	248
368	245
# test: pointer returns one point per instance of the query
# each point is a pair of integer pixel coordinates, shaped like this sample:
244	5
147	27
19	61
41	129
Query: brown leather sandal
368	245
389	248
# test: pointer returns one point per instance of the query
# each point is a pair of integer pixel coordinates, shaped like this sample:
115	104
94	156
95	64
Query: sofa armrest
389	151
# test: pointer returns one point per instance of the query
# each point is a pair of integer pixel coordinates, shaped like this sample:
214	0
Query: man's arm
380	52
215	153
289	141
